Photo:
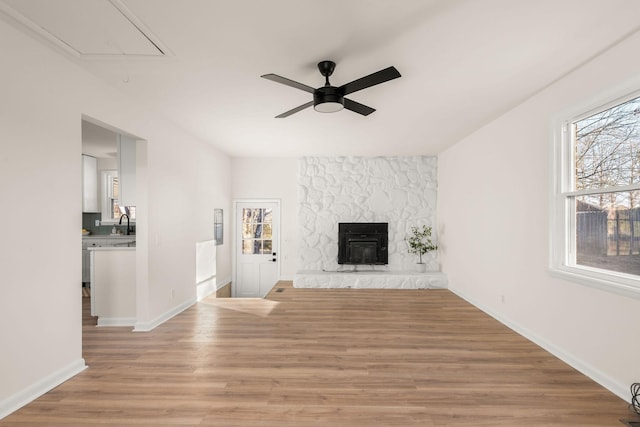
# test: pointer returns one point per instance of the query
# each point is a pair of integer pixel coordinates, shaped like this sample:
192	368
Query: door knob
273	260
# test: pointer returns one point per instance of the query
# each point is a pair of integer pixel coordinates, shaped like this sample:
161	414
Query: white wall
493	211
43	99
271	178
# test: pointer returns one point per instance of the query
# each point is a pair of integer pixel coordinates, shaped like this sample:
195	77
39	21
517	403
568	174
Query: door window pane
251	215
257	247
256	226
252	231
266	231
268	216
247	231
251	247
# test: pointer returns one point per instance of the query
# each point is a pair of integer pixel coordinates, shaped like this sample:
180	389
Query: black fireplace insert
363	243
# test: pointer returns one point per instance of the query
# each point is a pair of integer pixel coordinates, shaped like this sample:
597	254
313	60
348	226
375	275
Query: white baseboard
205	288
620	390
152	324
116	321
222	283
29	394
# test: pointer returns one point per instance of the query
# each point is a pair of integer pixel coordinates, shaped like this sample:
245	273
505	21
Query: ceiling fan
329	99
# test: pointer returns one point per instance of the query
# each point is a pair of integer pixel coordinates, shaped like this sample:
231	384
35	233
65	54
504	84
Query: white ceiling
463	62
98	141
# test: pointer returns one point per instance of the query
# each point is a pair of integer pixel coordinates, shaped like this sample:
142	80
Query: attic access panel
86	27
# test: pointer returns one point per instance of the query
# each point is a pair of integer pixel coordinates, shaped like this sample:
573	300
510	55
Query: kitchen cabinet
101	242
127	170
89	184
86	268
113	287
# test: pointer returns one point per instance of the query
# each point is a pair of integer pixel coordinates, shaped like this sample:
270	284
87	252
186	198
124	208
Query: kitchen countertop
111	248
106	241
109	236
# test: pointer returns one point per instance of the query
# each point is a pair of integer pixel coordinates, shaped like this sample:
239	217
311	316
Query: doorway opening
113	220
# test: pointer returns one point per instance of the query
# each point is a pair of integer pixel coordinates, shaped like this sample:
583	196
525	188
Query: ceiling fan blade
288	82
295	110
357	107
370	80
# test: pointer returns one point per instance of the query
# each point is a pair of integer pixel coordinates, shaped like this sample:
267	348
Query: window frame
105	199
563	214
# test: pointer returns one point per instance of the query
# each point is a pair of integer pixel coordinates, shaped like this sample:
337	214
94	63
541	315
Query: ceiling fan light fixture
328	107
327	99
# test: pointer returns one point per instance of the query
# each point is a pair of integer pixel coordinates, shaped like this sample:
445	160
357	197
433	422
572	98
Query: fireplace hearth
363	243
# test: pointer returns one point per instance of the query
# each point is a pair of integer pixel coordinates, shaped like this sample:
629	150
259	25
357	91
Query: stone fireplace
399	191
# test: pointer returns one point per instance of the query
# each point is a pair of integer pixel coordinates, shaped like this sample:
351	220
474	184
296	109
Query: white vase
421	267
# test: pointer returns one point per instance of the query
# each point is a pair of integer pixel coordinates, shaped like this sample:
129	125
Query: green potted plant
420	243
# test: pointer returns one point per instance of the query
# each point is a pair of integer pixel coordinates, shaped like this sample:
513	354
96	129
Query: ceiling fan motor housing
328	99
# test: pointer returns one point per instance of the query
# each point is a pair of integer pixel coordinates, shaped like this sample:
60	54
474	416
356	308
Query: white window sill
619	283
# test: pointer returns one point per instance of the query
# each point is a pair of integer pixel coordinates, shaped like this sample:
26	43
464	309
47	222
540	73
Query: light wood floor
318	357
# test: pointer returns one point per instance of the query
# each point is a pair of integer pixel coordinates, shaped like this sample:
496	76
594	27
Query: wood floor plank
323	357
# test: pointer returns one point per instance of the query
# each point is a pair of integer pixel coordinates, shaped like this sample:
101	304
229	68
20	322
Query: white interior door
257	252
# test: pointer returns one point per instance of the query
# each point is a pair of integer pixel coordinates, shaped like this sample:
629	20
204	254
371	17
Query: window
111	210
256	231
597	196
218	227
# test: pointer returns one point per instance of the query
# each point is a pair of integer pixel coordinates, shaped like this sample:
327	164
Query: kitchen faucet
122	216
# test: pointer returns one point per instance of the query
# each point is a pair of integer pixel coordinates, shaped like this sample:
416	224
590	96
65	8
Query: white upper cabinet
127	170
89	184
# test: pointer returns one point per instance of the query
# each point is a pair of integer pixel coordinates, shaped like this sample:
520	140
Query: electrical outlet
97	223
173	293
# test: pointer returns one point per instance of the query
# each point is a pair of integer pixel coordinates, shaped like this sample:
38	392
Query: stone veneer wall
398	190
